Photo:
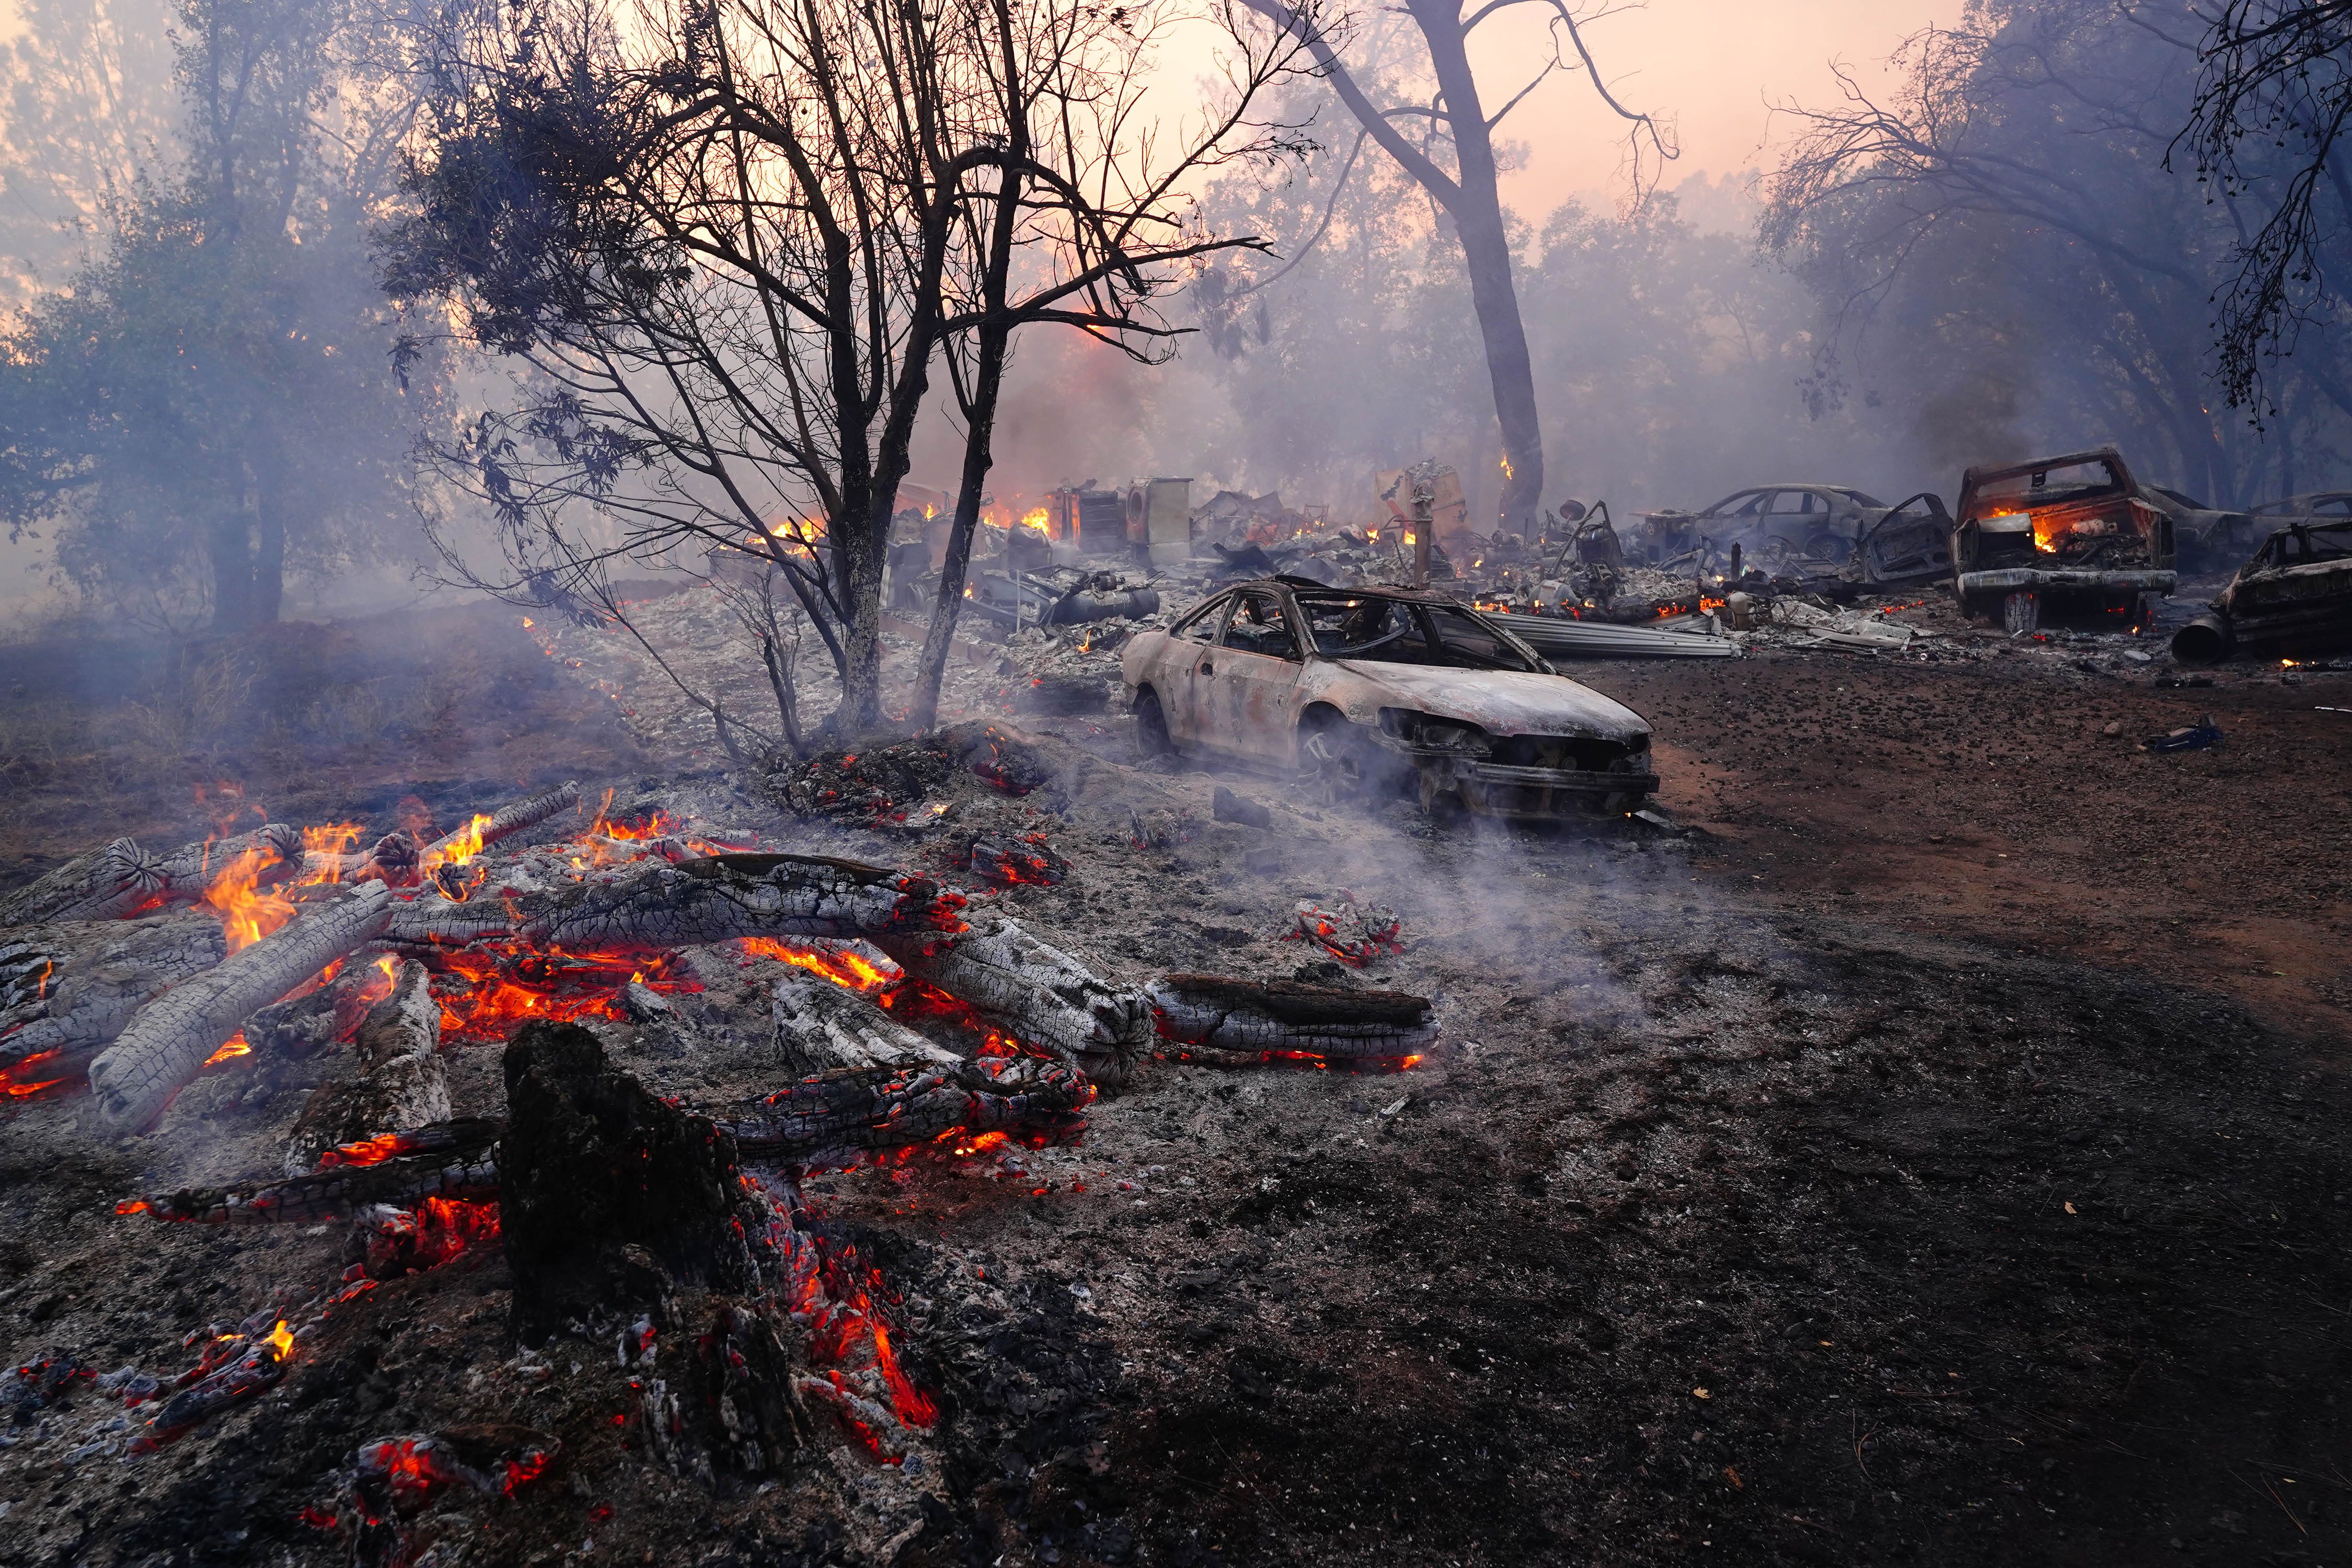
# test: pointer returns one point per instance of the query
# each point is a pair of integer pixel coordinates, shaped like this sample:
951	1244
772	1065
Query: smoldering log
1263	1017
455	1160
821	1026
838	1118
403	1085
305	1025
1044	993
397	858
121	878
68	990
717	898
162	1046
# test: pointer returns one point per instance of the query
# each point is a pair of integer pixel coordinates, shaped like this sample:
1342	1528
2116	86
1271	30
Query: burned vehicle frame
2066	536
1376	691
2294	596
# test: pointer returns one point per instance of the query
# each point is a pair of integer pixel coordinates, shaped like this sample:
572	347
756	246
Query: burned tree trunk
716	898
1045	995
1263	1019
122	878
67	990
610	1198
402	1086
170	1038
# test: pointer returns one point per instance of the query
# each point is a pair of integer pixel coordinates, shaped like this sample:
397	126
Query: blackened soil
1758	1205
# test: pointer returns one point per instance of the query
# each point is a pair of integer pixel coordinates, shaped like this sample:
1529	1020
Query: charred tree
1470	195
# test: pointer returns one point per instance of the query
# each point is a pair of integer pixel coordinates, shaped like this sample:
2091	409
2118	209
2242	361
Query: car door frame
1262	731
1182	676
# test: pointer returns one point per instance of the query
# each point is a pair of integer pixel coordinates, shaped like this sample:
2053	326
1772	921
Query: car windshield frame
1423	635
2013	490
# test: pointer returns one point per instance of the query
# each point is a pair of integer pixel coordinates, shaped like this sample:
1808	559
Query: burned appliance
2064	535
1083	520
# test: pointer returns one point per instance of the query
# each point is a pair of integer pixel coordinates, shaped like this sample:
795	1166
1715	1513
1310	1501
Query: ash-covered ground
1933	1156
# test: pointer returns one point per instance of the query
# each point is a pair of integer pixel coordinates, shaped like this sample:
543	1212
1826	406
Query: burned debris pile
902	1017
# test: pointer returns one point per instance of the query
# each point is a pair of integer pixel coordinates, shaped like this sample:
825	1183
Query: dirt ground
1933	1157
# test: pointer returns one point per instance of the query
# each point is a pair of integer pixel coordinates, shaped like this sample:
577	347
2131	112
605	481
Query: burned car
1376	691
2070	536
2294	596
2204	537
1779	528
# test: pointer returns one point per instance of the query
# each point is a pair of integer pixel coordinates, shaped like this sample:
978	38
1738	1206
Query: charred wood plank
169	1039
1268	1017
717	898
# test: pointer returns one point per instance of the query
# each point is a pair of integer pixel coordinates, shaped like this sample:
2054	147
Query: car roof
2003	471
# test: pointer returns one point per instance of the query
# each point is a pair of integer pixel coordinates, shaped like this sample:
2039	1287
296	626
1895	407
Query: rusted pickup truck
1377	692
2068	536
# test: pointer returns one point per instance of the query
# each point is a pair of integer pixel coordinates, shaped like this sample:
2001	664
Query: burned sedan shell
2294	596
1375	689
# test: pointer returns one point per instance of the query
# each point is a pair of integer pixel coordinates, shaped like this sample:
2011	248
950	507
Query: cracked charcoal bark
110	882
71	987
834	1119
821	1026
170	1038
1223	1013
715	898
1042	993
402	1086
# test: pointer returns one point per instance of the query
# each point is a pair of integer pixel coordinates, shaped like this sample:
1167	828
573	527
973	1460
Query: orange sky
1708	65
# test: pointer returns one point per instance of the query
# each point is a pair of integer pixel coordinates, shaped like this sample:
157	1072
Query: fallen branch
455	1161
398	858
840	1119
170	1038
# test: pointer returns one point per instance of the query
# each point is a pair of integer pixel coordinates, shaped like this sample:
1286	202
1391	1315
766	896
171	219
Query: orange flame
844	969
460	846
333	838
235	1046
132	1206
247	911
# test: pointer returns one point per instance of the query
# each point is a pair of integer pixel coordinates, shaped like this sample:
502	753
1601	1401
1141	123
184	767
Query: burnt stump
608	1198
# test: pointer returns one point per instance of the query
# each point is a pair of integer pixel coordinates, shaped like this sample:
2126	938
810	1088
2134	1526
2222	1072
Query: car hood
1500	702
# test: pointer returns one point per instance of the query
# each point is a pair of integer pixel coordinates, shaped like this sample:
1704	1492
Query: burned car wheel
1151	736
1348	765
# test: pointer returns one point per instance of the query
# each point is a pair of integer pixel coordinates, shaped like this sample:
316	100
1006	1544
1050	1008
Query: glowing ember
132	1206
23	1081
844	969
372	1150
235	1046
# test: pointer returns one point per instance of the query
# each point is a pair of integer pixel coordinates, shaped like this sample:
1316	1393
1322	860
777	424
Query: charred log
403	1085
455	1161
305	1025
68	990
599	1176
1006	860
1046	995
821	1026
121	878
1261	1019
717	898
171	1037
838	1119
399	860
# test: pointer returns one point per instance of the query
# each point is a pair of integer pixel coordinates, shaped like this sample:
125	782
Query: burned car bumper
1507	789
2036	579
